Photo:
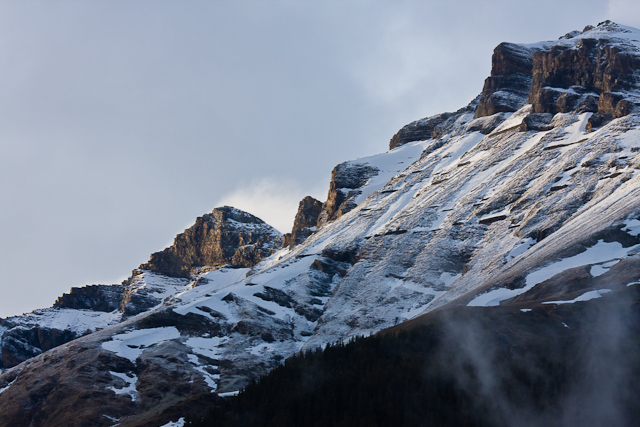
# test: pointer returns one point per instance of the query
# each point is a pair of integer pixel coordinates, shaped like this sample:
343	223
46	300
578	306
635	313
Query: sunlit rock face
595	70
305	222
507	89
587	73
225	236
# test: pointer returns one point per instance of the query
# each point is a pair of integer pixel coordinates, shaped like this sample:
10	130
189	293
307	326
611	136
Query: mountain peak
225	236
226	213
596	70
528	196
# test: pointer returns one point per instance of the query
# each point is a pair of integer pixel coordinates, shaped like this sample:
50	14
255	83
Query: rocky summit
528	197
224	236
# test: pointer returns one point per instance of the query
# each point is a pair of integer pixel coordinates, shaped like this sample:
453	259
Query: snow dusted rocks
502	206
595	70
507	89
225	236
305	222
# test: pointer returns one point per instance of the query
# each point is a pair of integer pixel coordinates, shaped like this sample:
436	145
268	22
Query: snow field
587	296
602	256
130	345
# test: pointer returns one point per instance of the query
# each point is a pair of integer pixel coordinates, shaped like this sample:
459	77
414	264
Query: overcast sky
122	121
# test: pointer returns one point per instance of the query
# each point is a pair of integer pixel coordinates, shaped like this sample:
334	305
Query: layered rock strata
305	222
224	236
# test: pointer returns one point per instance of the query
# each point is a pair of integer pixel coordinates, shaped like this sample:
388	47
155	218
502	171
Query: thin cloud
274	200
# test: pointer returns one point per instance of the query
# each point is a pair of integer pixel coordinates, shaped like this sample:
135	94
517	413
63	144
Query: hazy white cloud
274	200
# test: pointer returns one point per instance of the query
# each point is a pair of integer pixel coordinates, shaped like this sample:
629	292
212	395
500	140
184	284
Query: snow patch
448	278
130	345
521	247
584	297
262	349
632	227
208	347
209	378
600	269
130	388
179	423
600	253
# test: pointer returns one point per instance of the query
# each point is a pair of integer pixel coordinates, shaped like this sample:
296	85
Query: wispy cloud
274	200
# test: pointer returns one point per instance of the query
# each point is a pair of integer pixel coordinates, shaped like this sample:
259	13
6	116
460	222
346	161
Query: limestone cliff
346	179
305	222
224	236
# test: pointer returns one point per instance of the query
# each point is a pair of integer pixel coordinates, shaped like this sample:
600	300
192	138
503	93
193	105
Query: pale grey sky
122	121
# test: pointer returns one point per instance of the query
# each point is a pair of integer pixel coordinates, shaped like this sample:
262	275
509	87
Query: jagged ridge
484	210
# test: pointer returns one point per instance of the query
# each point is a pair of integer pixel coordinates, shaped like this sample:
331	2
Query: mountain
561	364
528	195
222	237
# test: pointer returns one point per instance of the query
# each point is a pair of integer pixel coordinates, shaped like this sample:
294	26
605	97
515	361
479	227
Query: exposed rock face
429	127
346	179
145	290
583	72
305	222
20	344
537	122
225	236
590	75
507	89
93	297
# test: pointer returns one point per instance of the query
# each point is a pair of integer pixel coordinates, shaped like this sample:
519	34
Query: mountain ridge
465	208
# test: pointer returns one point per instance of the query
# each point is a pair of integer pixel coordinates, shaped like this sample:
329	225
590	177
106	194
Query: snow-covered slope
226	235
480	210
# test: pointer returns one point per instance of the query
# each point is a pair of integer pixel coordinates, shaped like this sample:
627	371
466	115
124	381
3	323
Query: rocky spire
305	222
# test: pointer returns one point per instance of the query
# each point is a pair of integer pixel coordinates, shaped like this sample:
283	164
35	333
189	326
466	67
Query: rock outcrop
346	179
93	297
225	236
595	70
305	222
507	88
19	344
429	127
587	75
